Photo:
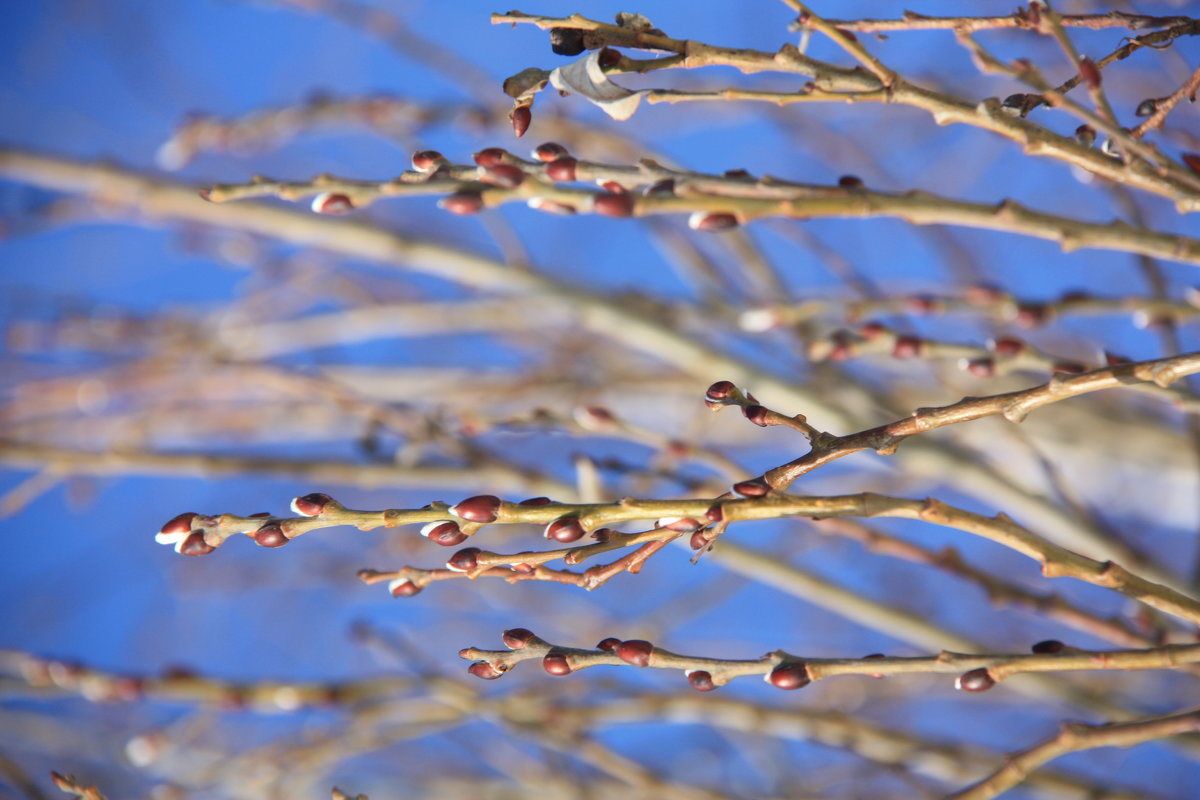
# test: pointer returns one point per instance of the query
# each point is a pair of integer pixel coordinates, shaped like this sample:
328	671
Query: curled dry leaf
586	77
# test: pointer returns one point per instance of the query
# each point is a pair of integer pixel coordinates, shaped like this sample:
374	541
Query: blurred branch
1072	738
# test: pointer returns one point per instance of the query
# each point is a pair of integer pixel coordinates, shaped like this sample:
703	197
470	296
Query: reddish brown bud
1115	360
680	524
700	540
847	34
549	151
1030	315
427	160
506	176
482	508
332	203
611	186
464	560
737	173
447	534
1008	347
1192	160
1048	646
490	156
311	505
520	116
714	513
270	535
1089	72
485	670
635	651
976	680
608	644
565	530
700	680
566	41
194	545
555	662
536	501
403	588
981	367
609	58
613	205
516	638
462	203
179	524
756	414
561	170
1085	135
850	182
712	221
789	676
756	487
907	347
259	515
721	390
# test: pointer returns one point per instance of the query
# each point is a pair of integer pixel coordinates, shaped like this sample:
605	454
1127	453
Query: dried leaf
585	77
526	83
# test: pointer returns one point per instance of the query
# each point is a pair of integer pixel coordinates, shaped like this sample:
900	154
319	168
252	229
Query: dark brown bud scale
194	545
464	560
485	670
179	524
506	176
609	58
789	676
1048	646
613	205
565	530
426	160
976	680
270	535
555	662
462	203
756	414
850	182
635	651
549	151
405	589
608	644
448	534
490	156
536	501
701	680
721	390
481	508
1008	347
520	116
566	41
561	170
700	540
756	487
311	505
516	638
